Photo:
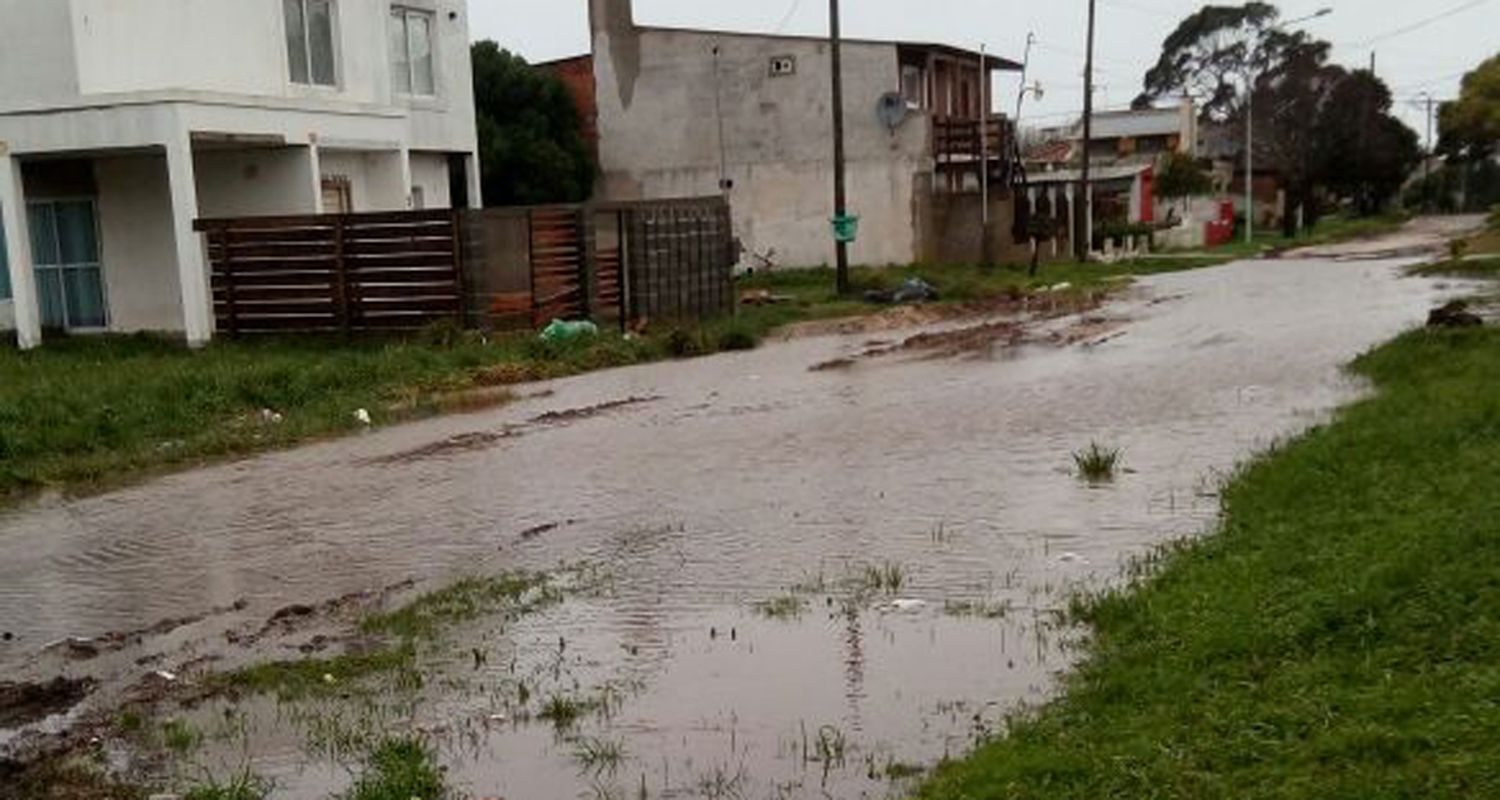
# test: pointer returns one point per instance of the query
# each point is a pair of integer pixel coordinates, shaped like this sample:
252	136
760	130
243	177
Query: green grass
400	769
322	677
1329	230
1339	637
243	786
467	599
1097	464
782	607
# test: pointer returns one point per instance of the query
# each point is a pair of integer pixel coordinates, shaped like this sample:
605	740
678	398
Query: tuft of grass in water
976	608
245	785
1097	464
886	578
465	600
400	769
563	711
322	677
1338	635
784	607
180	737
598	756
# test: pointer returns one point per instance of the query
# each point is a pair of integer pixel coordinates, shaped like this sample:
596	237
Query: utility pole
986	252
1085	233
840	197
1427	160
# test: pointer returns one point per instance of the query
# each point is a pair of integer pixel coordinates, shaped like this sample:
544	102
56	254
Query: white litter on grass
1072	558
363	417
169	677
907	606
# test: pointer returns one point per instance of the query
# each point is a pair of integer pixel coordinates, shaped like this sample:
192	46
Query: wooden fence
615	263
336	272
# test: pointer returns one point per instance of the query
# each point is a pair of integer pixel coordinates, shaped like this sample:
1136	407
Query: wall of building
663	97
140	262
429	176
260	181
37	61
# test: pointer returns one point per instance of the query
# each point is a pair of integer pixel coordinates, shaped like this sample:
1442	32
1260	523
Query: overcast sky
1421	47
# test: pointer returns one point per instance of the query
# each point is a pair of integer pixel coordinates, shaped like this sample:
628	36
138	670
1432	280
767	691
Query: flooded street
804	583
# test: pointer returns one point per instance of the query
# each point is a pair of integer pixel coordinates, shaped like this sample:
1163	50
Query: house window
69	275
4	268
411	52
913	85
310	42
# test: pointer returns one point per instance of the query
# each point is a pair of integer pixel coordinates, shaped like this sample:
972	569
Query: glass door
69	277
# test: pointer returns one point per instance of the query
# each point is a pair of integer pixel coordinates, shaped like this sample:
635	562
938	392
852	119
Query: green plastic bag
563	331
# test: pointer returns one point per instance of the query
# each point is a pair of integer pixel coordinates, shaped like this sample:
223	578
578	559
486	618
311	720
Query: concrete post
476	182
315	168
403	160
192	268
18	252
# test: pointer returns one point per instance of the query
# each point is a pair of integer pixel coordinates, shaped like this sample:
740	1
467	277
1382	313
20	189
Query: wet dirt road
706	487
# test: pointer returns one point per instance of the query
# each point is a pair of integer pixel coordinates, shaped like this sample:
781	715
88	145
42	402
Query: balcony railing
958	146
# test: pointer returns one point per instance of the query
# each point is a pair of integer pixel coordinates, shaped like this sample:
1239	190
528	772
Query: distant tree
1470	125
531	142
1182	176
1211	54
1289	101
1363	152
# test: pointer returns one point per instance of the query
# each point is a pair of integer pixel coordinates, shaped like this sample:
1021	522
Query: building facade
688	113
123	121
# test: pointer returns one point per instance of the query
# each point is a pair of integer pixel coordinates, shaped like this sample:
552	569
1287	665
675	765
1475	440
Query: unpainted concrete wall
665	95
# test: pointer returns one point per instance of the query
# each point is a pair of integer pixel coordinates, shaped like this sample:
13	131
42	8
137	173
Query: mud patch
453	445
24	703
589	412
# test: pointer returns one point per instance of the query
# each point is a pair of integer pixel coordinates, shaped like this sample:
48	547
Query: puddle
820	582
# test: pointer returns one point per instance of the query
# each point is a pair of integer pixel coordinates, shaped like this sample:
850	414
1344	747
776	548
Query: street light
1250	81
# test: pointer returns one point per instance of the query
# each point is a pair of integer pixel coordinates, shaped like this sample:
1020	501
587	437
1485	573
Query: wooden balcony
958	147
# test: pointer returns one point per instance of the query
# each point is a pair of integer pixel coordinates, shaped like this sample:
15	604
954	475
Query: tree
531	142
1470	125
1364	153
1183	176
1289	100
1211	53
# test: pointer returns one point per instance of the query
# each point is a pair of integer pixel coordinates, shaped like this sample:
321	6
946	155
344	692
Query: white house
123	121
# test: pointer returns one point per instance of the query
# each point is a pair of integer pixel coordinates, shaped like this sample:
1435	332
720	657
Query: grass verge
1339	637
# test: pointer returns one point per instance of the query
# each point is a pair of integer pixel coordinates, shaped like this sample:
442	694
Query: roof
1096	175
993	61
1149	122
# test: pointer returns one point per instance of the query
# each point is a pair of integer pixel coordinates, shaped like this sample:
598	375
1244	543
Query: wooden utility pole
840	198
1084	233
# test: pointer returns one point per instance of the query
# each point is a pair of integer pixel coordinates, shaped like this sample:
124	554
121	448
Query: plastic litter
362	417
915	290
563	331
907	605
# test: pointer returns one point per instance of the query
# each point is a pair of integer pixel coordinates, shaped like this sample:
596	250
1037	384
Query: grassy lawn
1338	638
1329	230
1475	257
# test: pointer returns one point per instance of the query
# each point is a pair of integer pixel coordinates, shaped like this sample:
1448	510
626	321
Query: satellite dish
892	110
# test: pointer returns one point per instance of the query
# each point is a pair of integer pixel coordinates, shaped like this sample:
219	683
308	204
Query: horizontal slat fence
336	272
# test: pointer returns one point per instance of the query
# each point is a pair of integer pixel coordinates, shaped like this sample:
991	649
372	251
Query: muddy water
705	487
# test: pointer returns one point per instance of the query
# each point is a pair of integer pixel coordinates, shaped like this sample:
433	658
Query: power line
1422	23
787	18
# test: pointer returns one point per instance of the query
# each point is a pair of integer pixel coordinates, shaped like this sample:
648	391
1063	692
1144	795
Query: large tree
531	140
1470	125
1211	55
1364	153
1289	100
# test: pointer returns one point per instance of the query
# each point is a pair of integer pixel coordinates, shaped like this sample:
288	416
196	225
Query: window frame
334	50
400	16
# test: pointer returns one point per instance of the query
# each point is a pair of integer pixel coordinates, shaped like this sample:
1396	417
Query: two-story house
123	121
681	112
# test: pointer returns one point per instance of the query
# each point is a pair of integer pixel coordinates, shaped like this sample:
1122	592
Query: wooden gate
336	272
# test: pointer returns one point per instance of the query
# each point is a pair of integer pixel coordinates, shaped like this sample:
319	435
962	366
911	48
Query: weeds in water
563	711
400	769
321	677
599	756
785	607
245	785
468	599
887	578
976	608
831	746
1097	464
180	737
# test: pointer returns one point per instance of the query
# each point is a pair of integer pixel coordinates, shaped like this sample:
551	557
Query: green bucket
845	228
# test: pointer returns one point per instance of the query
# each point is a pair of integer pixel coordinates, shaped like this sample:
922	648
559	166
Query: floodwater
703	488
